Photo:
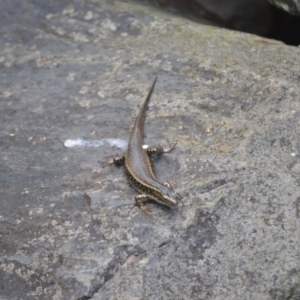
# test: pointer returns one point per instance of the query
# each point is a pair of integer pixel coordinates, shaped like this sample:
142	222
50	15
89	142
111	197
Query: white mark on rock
100	94
293	154
69	10
84	103
97	143
83	89
70	77
78	37
108	24
89	16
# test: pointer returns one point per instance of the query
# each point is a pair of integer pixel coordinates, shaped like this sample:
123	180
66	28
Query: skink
138	166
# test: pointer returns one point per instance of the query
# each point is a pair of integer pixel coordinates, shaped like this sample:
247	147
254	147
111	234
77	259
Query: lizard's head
170	197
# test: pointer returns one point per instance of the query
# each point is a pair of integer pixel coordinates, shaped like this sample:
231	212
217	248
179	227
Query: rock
81	69
291	6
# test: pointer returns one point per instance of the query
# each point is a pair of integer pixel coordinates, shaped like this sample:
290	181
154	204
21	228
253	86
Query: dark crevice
285	27
97	283
253	16
111	270
163	244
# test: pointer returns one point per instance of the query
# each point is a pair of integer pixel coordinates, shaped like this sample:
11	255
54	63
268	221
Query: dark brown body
138	167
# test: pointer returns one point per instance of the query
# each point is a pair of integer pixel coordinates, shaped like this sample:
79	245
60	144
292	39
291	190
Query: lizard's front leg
116	160
159	149
139	199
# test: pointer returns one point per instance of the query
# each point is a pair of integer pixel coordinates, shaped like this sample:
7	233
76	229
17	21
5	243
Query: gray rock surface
68	230
291	6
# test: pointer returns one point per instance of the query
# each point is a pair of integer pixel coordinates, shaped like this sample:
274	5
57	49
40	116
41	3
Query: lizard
138	166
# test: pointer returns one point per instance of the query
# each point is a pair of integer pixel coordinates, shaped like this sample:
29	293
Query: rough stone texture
291	6
230	100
